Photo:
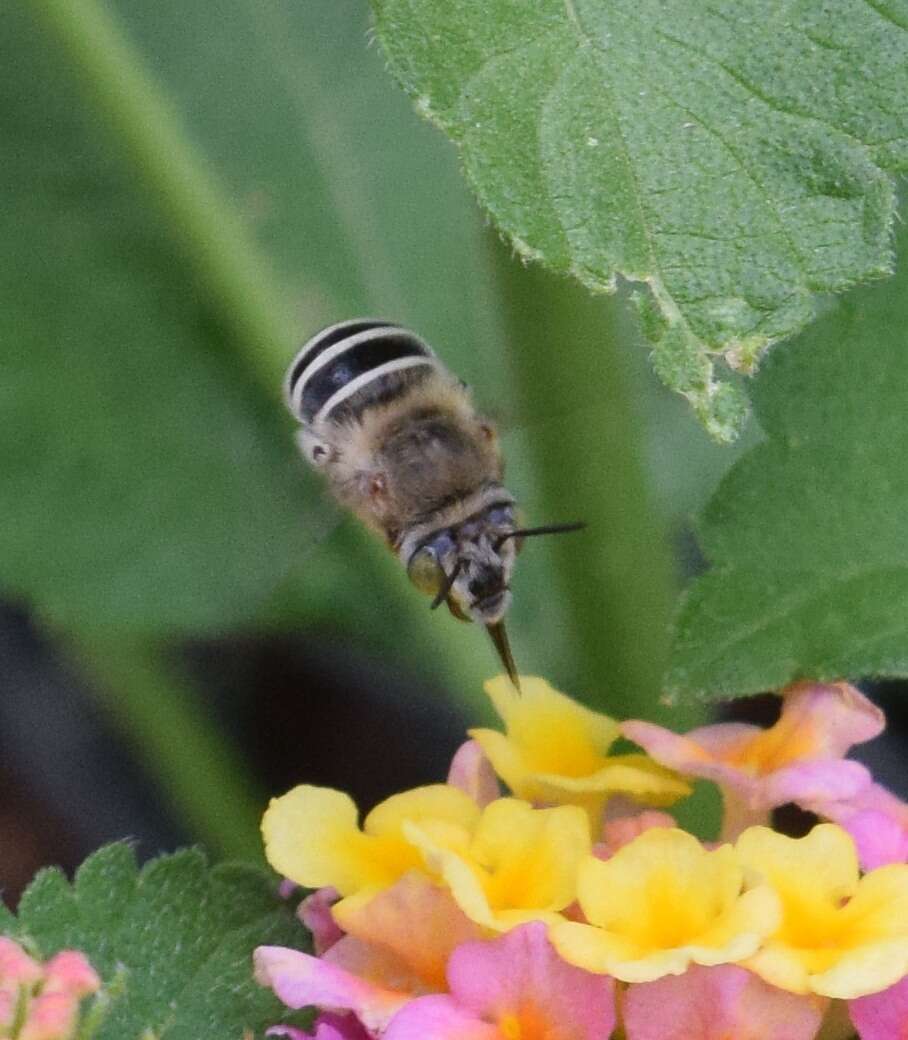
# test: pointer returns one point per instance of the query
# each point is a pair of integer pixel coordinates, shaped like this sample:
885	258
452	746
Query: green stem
578	394
238	280
160	715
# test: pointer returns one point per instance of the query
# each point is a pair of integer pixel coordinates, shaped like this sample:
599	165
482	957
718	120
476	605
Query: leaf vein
754	90
772	205
887	16
637	192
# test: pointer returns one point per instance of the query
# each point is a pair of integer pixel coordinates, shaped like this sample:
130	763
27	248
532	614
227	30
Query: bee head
469	565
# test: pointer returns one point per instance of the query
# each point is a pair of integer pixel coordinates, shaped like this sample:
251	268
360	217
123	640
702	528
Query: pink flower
70	973
876	819
17	971
882	1016
315	913
300	980
51	1016
472	772
621	831
514	986
718	1003
45	999
799	759
396	946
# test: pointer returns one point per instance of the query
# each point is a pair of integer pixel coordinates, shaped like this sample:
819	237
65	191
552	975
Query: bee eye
501	516
425	571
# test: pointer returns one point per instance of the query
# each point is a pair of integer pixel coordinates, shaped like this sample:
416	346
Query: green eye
425	571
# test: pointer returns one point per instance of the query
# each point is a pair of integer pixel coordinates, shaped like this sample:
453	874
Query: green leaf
731	155
143	488
806	534
175	939
7	920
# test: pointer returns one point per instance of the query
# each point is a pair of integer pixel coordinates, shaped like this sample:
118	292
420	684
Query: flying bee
402	446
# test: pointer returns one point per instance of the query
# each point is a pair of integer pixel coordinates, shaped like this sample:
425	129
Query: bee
403	447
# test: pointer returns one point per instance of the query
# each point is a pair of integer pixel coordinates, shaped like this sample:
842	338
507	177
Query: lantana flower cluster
574	907
42	1001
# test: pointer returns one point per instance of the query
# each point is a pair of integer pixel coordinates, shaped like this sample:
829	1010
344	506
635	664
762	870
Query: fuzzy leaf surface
731	154
806	534
175	938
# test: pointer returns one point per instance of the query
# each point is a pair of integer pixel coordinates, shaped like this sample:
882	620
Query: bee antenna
446	588
530	532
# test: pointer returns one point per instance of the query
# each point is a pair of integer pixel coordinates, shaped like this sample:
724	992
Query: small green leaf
177	936
806	534
731	155
7	919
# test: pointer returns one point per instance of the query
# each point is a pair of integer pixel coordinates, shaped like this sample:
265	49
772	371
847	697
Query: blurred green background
189	190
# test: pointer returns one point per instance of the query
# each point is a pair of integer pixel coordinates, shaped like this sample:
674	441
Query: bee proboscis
403	447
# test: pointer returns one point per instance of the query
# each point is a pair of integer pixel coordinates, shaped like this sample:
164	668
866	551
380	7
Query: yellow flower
555	751
661	903
840	935
312	835
521	864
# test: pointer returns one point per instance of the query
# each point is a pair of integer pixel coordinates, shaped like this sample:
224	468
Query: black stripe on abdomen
348	365
327	338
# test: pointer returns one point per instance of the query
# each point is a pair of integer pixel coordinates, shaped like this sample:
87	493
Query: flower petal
740	935
521	864
51	1016
865	970
688	753
472	773
622	830
880	839
315	913
715	1004
300	980
416	921
661	903
16	967
797	759
876	819
508	763
819	868
546	732
882	1016
421	804
654	880
522	970
312	836
806	782
439	1018
840	936
828	719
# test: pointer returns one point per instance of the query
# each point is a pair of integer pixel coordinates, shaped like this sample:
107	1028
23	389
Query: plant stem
160	715
241	288
575	381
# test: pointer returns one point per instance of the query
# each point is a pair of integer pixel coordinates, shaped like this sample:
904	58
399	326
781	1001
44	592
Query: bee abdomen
348	367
